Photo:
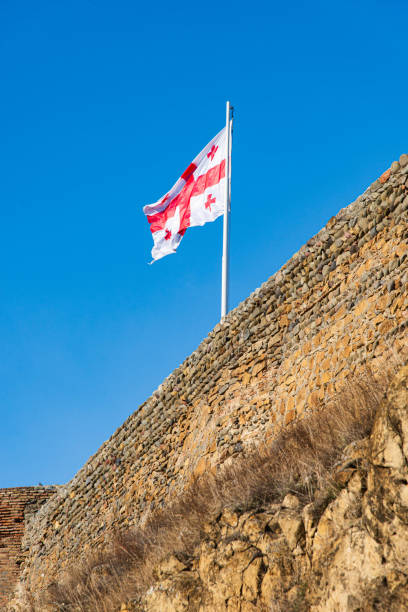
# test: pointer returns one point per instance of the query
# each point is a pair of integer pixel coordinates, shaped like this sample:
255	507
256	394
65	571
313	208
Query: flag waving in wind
196	198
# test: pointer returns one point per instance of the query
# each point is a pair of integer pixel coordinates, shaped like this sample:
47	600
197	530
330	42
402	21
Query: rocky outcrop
346	551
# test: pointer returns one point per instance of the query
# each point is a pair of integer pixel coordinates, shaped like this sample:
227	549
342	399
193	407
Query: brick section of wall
340	302
16	505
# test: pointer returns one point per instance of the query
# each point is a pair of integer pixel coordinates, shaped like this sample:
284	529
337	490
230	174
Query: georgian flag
196	198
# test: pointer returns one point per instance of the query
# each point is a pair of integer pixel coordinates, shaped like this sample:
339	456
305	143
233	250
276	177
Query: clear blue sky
103	104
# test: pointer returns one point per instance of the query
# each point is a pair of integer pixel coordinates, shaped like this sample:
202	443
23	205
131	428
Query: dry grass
300	460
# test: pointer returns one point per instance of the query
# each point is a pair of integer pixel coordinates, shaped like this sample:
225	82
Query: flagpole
225	242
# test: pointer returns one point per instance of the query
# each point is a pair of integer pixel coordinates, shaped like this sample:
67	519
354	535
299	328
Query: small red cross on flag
209	201
195	199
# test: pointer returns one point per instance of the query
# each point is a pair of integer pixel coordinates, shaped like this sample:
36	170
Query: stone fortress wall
339	303
16	505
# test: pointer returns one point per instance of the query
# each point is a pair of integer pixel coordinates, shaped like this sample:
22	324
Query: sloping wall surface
338	303
16	504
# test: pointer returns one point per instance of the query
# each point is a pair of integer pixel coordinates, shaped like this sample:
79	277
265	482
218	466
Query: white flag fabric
196	198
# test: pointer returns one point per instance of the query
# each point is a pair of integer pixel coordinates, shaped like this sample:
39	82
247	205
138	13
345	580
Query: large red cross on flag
196	198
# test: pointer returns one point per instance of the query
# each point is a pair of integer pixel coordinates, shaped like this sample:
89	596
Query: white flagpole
225	243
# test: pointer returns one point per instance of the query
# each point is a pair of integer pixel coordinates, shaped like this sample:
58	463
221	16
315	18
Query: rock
255	525
310	524
290	501
342	476
229	518
362	223
403	160
385	176
250	579
292	527
170	566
